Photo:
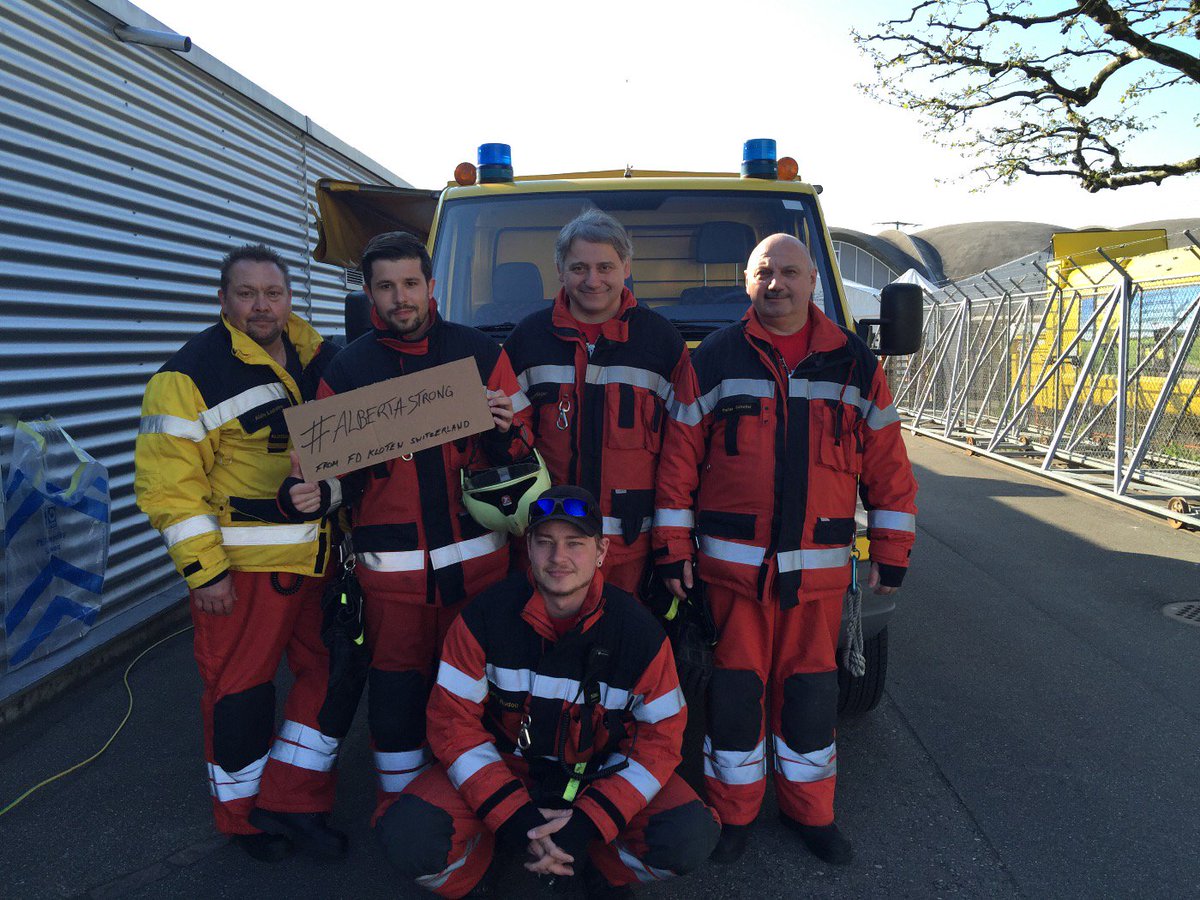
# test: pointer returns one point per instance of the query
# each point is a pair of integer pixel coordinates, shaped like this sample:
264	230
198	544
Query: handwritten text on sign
393	418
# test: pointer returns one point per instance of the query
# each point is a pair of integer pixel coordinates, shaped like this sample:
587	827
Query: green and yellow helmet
499	498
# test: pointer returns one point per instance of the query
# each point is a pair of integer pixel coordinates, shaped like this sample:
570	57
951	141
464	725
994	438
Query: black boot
596	886
731	845
825	842
310	831
268	848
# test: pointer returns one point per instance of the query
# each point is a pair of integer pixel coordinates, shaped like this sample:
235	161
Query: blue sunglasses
576	509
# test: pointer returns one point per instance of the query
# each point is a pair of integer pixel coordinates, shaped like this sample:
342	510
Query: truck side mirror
901	315
357	315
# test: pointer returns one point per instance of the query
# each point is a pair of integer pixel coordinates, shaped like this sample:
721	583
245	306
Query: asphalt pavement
1038	736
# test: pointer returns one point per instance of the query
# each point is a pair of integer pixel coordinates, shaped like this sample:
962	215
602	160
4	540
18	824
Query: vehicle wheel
861	695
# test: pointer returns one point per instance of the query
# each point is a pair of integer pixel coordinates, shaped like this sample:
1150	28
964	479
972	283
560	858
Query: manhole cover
1187	612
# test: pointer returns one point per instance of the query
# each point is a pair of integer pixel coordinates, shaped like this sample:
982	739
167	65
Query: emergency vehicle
491	235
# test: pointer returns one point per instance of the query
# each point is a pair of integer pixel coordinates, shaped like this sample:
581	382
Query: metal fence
1096	386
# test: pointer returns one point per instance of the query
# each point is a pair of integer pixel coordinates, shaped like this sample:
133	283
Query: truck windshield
494	256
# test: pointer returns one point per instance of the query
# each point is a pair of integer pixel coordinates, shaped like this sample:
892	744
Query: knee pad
680	839
243	726
809	712
396	709
734	709
416	836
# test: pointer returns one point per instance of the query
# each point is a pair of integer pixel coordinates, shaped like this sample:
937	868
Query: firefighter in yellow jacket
212	452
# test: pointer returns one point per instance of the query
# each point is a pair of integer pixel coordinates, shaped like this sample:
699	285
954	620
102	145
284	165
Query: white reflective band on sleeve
630	375
269	535
880	418
304	747
519	401
663	708
687	413
239	785
471	762
396	769
804	767
460	684
613	525
735	766
189	528
639	776
189	429
452	554
433	882
393	561
796	560
645	873
228	410
335	492
891	519
733	387
746	554
512	680
546	375
674	518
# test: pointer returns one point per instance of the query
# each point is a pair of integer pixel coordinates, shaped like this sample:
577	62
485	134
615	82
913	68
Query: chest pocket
545	400
730	412
838	428
634	419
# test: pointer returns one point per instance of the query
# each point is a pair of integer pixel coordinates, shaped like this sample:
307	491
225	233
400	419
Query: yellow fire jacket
212	450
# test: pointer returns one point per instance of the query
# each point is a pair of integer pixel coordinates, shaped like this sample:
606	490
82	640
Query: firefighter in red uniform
212	449
600	372
419	554
793	419
557	717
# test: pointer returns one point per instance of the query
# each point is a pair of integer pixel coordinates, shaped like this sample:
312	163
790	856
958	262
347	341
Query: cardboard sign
392	418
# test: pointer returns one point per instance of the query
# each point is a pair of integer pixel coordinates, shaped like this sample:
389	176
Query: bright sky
655	84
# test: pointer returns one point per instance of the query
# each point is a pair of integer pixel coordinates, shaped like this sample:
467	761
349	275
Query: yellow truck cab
491	235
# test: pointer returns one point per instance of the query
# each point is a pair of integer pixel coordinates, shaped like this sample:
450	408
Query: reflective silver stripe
269	535
687	413
433	882
732	387
393	561
460	684
304	747
335	492
613	525
519	401
630	375
794	560
882	417
735	766
802	388
674	518
243	783
396	769
546	375
617	698
512	680
471	762
804	767
891	519
452	554
189	528
645	873
552	688
746	554
189	429
228	410
639	776
663	708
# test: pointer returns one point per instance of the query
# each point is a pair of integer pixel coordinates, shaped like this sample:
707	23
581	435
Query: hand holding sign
397	417
305	495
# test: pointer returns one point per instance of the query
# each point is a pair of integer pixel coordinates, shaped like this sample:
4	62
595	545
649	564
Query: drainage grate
1187	612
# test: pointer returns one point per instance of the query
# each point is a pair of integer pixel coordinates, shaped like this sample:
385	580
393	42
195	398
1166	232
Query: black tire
861	695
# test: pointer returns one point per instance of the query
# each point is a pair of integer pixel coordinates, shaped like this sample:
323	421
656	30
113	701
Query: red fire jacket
414	540
598	422
605	694
777	459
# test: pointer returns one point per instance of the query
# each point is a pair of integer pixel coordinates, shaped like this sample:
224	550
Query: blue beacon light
758	158
495	163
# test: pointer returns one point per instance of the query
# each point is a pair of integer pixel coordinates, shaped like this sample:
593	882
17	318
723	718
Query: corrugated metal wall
125	173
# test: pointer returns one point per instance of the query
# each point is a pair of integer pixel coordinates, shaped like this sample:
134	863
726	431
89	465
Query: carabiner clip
564	407
524	738
407	457
854	557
